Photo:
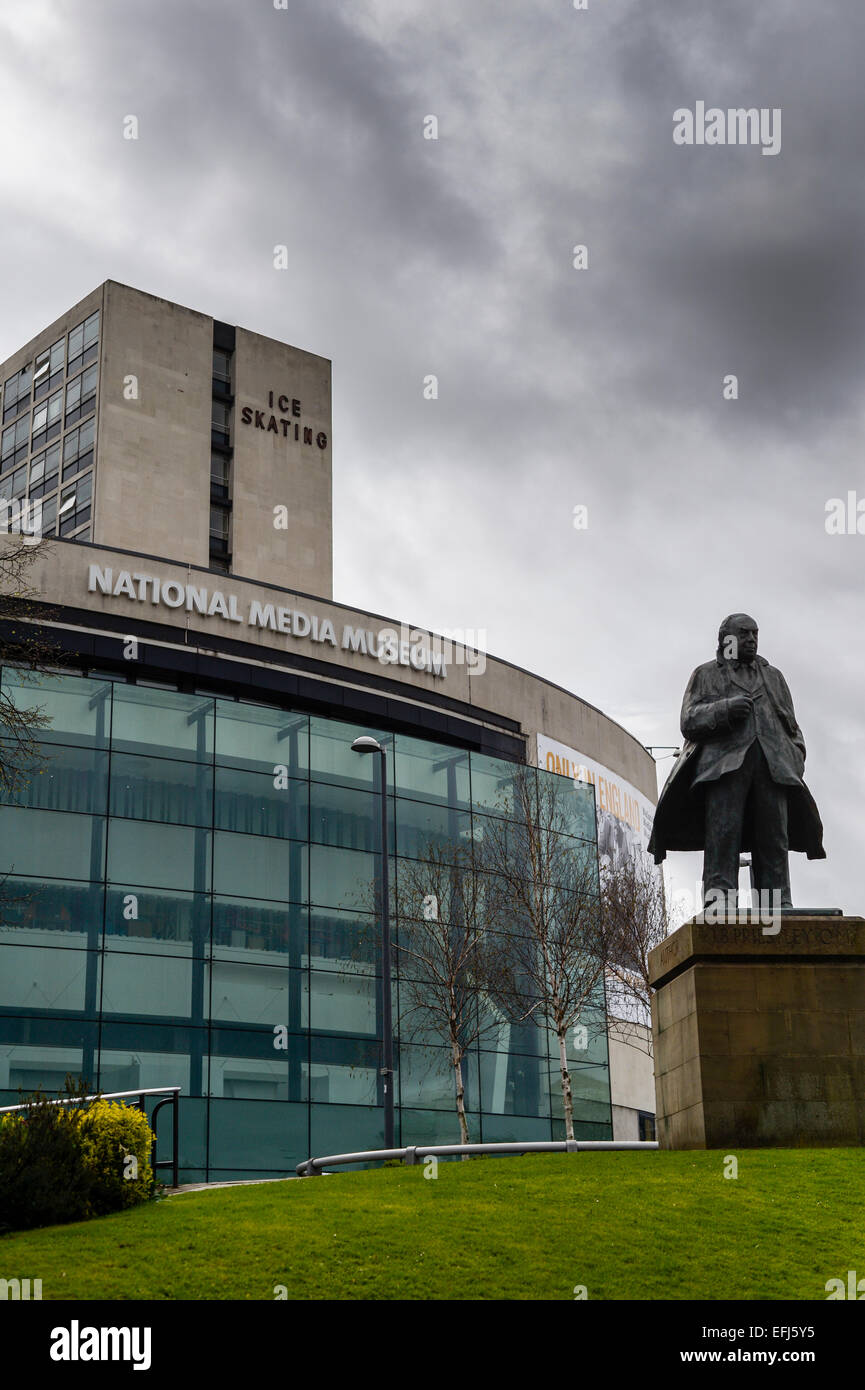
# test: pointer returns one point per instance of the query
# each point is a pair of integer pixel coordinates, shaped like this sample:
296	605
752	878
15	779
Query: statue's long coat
715	745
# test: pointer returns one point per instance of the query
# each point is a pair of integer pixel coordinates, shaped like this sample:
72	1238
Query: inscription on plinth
759	1039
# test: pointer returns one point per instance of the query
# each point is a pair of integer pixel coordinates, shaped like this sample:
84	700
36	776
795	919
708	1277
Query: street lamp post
365	744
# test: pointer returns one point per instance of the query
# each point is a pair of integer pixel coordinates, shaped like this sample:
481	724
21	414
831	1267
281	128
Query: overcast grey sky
557	386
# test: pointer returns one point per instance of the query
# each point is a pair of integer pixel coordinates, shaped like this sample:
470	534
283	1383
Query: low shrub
117	1141
61	1163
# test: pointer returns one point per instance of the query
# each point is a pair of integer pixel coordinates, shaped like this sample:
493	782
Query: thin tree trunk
567	1100
461	1102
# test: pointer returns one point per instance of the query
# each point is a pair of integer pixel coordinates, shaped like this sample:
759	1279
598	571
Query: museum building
190	864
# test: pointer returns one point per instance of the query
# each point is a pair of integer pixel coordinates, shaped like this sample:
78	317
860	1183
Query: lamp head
366	744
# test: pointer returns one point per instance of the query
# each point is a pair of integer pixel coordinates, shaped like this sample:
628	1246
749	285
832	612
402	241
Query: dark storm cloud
454	257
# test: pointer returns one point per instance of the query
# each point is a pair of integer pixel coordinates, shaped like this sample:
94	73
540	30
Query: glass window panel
249	866
31	841
144	1055
78	709
158	856
222	364
426	1080
590	1088
49	523
514	1084
343	878
513	1129
76	341
249	802
343	1003
38	1052
272	996
424	828
47	912
33	979
575	803
344	1129
91	328
344	1071
347	818
437	1127
492	784
160	789
245	1064
137	984
432	772
256	1136
344	941
261	739
164	922
58	354
162	721
260	931
331	758
58	779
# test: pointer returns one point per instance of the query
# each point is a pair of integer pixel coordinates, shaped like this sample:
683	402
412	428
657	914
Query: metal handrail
312	1167
170	1096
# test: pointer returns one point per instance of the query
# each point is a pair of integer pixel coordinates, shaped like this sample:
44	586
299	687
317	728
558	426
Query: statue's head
737	638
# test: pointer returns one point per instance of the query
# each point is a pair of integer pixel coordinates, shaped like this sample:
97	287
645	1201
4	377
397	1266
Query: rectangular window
15	441
219	524
83	343
81	395
75	504
220	420
78	448
16	393
646	1124
220	469
44	468
222	365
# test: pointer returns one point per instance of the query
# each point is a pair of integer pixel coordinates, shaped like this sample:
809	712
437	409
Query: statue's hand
740	707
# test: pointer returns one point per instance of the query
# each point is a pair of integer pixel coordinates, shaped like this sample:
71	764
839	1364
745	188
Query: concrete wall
632	1078
273	469
153	453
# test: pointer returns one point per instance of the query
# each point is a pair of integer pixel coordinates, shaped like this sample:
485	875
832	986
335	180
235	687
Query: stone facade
760	1038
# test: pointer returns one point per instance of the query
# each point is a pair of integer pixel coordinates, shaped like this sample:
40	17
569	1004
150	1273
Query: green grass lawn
651	1225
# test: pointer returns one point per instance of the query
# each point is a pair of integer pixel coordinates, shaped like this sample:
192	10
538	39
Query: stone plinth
759	1039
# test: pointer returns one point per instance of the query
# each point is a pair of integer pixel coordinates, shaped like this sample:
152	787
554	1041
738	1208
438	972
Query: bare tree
543	896
23	645
449	965
635	919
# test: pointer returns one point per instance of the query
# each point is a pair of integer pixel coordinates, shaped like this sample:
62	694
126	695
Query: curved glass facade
188	902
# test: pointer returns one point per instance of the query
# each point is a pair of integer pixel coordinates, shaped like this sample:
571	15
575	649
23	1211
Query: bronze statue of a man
737	784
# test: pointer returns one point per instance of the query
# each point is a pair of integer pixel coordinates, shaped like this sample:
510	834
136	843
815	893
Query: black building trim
307	684
223	335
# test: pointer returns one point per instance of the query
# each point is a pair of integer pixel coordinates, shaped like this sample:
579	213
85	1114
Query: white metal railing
312	1167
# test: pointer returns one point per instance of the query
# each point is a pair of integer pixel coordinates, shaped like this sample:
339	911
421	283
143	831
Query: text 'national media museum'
166	905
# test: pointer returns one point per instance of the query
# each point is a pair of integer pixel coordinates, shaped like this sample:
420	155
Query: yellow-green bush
63	1163
116	1142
